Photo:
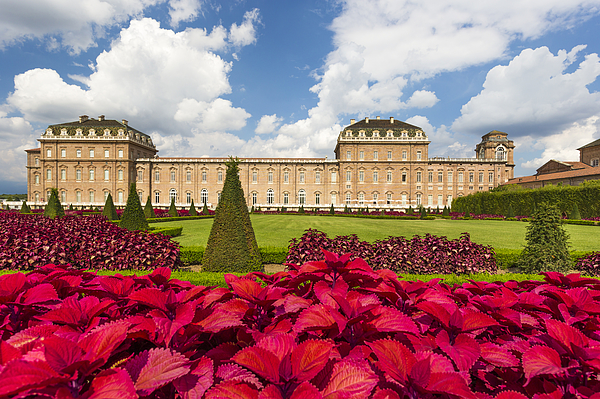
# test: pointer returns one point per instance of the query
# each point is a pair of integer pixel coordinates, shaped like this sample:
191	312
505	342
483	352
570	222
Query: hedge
168	231
173	219
193	255
506	258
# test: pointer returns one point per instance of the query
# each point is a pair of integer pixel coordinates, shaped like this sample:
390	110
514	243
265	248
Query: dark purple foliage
590	264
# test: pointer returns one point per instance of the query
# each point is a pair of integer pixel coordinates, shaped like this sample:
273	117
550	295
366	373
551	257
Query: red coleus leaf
319	317
245	288
110	384
232	371
10	285
436	310
351	379
393	358
450	383
510	395
539	360
464	351
306	391
100	343
8	353
232	390
152	297
497	355
328	295
259	360
225	315
62	354
386	394
566	335
389	319
278	344
309	358
198	381
25	337
39	294
474	320
152	369
20	375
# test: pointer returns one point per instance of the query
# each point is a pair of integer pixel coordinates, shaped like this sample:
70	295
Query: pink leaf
436	310
245	288
474	320
61	353
327	295
395	359
38	294
541	360
319	317
100	343
386	394
510	395
566	335
161	367
465	350
21	375
270	392
8	353
224	316
451	383
232	390
306	391
259	360
352	379
232	371
309	358
152	297
110	384
497	355
392	320
278	344
198	381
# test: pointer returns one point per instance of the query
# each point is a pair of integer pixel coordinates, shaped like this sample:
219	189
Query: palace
380	163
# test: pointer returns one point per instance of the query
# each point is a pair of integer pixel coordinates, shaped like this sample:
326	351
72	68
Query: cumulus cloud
245	34
267	124
16	135
183	11
534	95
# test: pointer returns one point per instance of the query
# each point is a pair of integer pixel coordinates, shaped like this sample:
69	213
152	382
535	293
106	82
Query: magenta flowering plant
325	329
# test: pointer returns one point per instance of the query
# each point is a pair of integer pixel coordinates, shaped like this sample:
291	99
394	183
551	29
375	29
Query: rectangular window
172	175
317	177
361	176
418	199
37	179
78	196
105	195
389	155
389	176
286	177
440	177
286	198
78	175
404	155
106	154
78	153
317	199
375	176
430	199
220	176
348	198
188	198
440	199
106	174
333	198
63	174
156	197
449	177
375	155
361	155
254	176
48	174
204	176
92	172
418	177
375	196
91	196
333	177
403	177
37	162
301	177
156	176
140	175
404	198
389	198
449	200
430	177
470	177
491	177
270	177
91	153
480	177
63	153
460	177
594	162
348	175
120	197
254	198
348	155
418	155
48	153
120	174
120	153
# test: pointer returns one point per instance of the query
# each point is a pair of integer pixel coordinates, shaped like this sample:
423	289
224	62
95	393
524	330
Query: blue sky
282	78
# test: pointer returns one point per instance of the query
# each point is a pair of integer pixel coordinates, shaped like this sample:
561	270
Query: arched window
254	198
156	197
270	196
188	198
172	195
301	197
204	196
500	153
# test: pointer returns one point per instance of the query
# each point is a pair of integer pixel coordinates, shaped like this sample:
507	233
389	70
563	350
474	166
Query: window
270	196
78	153
361	198
141	196
418	155
286	198
140	175
348	155
254	198
480	177
375	196
389	176
470	177
120	153
106	195
404	155
63	174
172	175
106	154
430	177
120	174
301	177
220	176
156	197
188	176
404	198
301	197
317	177
389	155
106	174
63	153
254	176
388	198
318	198
37	179
204	196
403	177
333	177
78	175
48	153
449	177
218	197
37	162
375	176
286	176
156	176
361	176
500	153
460	177
172	195
418	199
375	155
430	199
48	174
440	177
418	177
491	177
440	200
188	198
91	153
92	196
333	198
120	197
204	176
348	198
593	163
92	173
361	155
78	196
270	177
63	196
348	175
449	201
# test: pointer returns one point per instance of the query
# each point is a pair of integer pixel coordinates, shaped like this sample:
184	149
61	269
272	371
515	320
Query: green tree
25	208
172	209
575	213
547	243
410	210
205	209
446	211
301	210
109	211
133	216
332	210
193	211
231	244
510	213
423	212
54	208
346	209
467	214
148	210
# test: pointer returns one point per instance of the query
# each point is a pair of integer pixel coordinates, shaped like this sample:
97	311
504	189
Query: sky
260	78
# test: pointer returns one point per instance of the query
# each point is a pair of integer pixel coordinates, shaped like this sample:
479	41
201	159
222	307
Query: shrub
231	244
589	264
423	213
192	211
446	211
205	210
510	213
149	210
332	210
172	209
547	247
168	231
575	215
109	211
133	217
53	207
191	255
25	208
273	255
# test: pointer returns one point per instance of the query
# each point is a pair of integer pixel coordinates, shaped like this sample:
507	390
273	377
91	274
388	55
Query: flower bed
419	255
332	329
90	242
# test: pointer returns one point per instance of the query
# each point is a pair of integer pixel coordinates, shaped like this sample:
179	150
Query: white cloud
534	95
422	99
74	25
183	11
267	124
16	135
245	34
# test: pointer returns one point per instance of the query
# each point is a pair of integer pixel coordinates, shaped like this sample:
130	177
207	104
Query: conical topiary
467	215
575	213
71	207
54	208
346	209
133	216
193	211
332	210
301	210
510	213
410	210
109	211
446	211
231	244
205	209
148	210
423	212
172	209
25	208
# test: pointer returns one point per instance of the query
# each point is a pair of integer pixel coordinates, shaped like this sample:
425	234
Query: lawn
278	230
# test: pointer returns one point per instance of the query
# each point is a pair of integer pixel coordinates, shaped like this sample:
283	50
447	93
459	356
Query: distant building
380	163
565	172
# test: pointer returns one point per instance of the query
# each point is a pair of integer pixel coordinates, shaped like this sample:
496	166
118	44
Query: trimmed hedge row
178	218
193	255
507	258
168	231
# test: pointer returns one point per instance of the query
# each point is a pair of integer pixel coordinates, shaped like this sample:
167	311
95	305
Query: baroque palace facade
380	163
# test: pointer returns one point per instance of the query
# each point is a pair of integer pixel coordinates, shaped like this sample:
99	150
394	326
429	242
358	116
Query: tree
547	243
423	212
54	208
133	216
467	215
410	210
205	209
172	209
446	211
510	213
332	210
301	210
109	211
148	210
193	211
575	213
25	208
346	209
231	244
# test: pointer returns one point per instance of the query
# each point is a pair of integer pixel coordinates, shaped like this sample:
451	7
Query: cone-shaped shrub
510	213
467	214
332	210
193	211
423	212
25	208
231	244
71	207
446	211
205	209
547	243
410	210
54	208
109	211
301	210
172	209
575	213
133	216
148	210
346	209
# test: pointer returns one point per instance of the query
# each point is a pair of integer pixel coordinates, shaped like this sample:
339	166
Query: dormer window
362	133
375	133
348	133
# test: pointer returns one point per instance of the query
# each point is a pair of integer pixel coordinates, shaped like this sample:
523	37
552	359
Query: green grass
278	230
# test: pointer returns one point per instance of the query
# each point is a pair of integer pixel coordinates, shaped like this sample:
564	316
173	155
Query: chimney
378	118
352	121
101	118
367	120
125	122
83	118
391	119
